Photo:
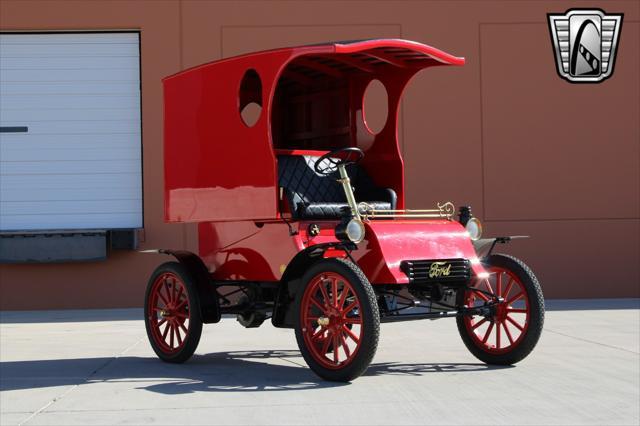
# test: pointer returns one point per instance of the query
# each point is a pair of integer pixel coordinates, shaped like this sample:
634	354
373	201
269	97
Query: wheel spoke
334	292
512	321
515	298
161	296
174	289
181	304
488	285
488	333
499	285
318	305
185	329
325	345
351	307
508	333
318	333
481	295
344	345
171	335
343	296
517	311
353	320
178	336
498	335
162	321
508	289
323	290
181	315
179	295
166	330
167	291
350	333
335	348
478	324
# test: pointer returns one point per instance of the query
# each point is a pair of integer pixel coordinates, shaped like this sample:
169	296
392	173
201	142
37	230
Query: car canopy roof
221	167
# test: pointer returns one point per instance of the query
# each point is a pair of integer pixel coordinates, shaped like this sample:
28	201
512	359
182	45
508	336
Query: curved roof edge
397	52
392	44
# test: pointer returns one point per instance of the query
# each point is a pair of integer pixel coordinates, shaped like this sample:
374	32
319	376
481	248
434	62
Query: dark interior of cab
313	110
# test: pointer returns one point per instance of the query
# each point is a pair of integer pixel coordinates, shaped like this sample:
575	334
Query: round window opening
375	106
250	98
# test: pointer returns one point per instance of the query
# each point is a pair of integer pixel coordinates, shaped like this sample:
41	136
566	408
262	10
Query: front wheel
511	332
172	314
338	320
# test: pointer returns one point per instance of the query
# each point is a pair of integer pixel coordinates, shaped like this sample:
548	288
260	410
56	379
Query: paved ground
96	367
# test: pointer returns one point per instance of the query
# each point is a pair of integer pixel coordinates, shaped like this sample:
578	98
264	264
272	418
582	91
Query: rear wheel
338	320
172	314
512	331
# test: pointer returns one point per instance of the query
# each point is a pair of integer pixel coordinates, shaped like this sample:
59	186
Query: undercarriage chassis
258	300
399	305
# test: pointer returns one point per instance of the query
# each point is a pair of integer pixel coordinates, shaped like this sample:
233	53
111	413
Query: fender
291	279
485	246
207	294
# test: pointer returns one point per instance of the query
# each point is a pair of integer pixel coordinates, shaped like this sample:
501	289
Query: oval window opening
375	106
250	98
250	114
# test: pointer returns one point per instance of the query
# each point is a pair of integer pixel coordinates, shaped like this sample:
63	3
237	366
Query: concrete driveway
96	367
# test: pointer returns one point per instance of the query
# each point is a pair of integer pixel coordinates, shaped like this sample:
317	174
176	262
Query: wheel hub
323	321
501	312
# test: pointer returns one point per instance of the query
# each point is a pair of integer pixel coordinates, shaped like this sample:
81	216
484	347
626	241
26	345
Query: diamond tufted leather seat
314	196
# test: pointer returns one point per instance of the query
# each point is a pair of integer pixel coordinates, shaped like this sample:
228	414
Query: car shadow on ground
248	371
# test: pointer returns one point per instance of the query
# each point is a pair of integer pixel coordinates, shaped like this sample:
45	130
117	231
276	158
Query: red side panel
217	168
389	242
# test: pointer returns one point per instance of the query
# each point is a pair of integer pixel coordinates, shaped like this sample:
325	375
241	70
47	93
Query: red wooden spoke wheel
169	308
338	323
173	325
513	329
509	324
332	322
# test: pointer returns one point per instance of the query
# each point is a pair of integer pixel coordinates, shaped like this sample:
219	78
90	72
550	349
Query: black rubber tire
370	320
536	300
195	320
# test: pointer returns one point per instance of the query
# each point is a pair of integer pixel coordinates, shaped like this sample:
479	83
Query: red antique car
301	215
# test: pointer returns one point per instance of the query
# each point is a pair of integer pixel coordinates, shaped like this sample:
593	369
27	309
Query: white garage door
70	153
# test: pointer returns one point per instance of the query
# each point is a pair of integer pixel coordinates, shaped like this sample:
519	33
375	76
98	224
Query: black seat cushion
334	210
314	196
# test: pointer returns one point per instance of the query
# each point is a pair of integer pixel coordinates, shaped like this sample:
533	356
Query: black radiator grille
436	271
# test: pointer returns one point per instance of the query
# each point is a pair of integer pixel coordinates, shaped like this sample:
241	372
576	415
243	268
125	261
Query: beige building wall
530	152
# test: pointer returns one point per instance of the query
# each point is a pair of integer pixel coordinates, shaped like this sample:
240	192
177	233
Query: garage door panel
32	102
70	181
44	154
69	74
69	38
29	141
64	63
52	50
70	88
72	114
79	163
66	193
69	167
72	221
75	127
79	207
